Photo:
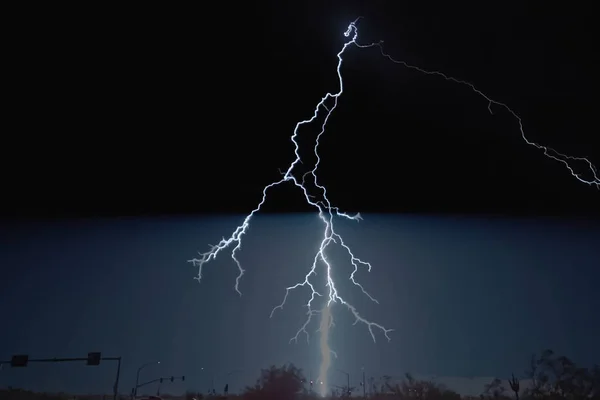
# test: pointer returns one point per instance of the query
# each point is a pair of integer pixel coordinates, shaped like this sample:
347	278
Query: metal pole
348	377
348	384
137	378
364	385
116	388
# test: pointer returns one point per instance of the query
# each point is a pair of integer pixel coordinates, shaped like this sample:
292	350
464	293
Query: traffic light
161	380
183	378
19	360
93	358
172	378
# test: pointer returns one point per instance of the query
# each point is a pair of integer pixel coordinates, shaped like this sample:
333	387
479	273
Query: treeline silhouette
548	377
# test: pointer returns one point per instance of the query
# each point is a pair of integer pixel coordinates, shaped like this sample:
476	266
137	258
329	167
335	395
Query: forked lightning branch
329	213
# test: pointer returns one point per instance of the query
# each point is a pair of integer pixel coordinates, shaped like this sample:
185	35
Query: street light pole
137	378
364	384
348	386
116	386
347	376
212	379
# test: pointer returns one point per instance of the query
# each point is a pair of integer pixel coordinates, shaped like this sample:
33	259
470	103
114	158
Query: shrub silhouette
284	383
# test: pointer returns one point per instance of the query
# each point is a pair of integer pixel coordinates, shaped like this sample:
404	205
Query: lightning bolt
549	152
327	213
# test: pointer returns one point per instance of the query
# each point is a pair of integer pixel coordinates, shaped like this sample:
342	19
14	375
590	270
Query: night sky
140	136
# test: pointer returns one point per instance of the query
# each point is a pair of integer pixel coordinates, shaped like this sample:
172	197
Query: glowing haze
326	352
328	213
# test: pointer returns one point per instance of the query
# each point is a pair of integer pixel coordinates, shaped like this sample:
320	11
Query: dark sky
191	110
183	116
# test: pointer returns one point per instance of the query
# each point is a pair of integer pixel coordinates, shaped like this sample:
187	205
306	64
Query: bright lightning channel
327	212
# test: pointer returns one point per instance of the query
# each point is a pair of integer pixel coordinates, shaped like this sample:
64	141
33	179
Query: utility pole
364	384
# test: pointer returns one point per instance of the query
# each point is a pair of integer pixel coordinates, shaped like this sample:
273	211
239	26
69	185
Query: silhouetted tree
412	388
557	377
284	383
494	390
